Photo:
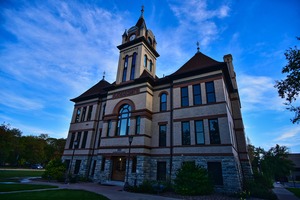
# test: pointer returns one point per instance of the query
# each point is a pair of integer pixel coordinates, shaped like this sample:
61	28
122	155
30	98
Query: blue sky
52	51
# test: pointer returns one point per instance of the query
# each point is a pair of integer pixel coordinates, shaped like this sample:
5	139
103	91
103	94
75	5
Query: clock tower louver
137	52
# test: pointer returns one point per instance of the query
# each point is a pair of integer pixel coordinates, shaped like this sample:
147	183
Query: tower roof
96	91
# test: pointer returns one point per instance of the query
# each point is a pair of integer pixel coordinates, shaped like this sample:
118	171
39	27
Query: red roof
198	61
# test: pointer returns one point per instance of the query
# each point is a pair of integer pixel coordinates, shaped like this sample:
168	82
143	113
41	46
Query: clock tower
137	52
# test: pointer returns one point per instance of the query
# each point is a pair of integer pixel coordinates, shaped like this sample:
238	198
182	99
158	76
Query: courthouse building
191	115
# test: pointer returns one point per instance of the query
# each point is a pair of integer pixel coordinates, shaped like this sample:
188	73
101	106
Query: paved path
282	193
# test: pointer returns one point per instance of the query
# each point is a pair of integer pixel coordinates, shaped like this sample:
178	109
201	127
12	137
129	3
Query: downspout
171	130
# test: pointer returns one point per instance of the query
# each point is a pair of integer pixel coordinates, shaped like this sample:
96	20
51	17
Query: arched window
149	40
163	102
125	69
124	120
145	61
150	66
133	66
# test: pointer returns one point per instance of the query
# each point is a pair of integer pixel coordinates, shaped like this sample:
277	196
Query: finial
198	48
103	75
142	11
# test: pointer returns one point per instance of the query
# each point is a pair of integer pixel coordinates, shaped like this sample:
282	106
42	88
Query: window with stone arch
163	102
124	120
150	65
125	69
145	61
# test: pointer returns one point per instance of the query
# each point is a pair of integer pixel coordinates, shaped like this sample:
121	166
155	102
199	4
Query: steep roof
96	91
197	62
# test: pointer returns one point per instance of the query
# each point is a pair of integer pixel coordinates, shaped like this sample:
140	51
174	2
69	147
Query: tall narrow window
125	69
145	61
94	167
186	136
124	120
85	134
199	132
103	111
108	128
77	114
184	96
89	116
150	65
161	171
99	137
210	92
214	131
197	94
163	102
72	141
215	172
138	125
103	164
134	163
77	166
132	72
162	135
78	139
83	114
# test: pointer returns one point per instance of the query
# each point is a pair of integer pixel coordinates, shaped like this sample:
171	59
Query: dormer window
150	41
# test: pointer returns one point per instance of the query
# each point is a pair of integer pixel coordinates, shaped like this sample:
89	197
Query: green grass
4	174
64	194
296	191
18	187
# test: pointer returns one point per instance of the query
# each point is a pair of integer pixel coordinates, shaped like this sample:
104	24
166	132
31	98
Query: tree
289	88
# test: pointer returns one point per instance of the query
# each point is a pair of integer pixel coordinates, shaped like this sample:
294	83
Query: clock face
132	37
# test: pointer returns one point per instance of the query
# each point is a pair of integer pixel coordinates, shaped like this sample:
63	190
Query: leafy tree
192	179
55	170
289	88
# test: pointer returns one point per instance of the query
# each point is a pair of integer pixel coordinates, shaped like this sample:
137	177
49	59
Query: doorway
119	168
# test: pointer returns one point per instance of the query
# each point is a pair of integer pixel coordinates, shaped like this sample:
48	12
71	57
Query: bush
192	179
151	187
55	170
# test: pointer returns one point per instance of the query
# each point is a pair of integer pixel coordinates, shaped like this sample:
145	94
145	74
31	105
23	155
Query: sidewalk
282	193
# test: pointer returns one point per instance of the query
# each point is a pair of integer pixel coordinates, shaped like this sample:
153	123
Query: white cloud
258	93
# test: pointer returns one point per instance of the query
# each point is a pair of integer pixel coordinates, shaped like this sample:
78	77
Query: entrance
119	168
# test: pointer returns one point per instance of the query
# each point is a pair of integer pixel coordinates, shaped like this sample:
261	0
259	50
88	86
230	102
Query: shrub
192	179
151	187
55	170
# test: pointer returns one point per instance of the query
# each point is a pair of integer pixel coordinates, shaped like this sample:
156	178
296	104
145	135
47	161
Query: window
197	94
78	139
163	102
145	61
210	92
124	120
67	163
138	125
149	40
83	114
134	163
103	111
133	66
94	167
108	128
85	134
186	137
103	164
161	171
77	114
89	116
199	132
72	141
150	65
184	96
214	131
215	172
77	166
162	135
125	69
99	137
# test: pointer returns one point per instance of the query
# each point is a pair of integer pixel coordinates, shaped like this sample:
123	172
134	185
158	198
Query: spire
103	75
198	48
142	12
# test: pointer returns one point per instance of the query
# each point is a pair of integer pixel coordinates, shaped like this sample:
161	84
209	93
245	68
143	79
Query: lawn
296	191
63	194
18	187
11	173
